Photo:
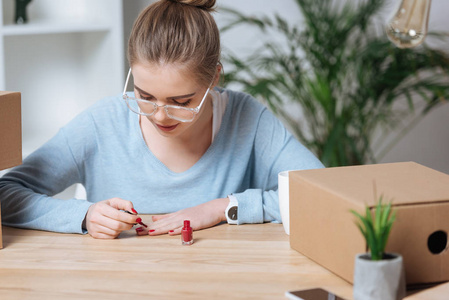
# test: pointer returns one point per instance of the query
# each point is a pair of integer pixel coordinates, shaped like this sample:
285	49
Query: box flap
405	183
10	130
439	292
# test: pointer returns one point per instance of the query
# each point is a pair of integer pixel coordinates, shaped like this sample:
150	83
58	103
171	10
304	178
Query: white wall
243	40
427	143
131	10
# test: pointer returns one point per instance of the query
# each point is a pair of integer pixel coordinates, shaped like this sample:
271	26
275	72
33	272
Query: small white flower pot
379	280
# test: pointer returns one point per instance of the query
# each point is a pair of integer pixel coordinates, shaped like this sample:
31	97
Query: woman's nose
160	114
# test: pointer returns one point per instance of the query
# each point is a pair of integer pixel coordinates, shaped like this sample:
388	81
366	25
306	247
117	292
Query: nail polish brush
138	220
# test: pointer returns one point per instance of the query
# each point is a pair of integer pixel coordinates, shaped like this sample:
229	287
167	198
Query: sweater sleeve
26	191
275	150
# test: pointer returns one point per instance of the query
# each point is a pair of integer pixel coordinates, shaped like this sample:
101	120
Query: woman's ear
217	75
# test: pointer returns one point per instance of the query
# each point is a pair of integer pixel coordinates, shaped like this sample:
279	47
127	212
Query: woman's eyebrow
182	96
142	91
168	98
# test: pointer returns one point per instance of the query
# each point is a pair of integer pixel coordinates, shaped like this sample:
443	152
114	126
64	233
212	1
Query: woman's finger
120	204
101	232
141	231
175	231
115	214
116	225
160	217
165	227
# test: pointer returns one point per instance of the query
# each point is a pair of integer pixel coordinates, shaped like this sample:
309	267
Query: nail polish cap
186	224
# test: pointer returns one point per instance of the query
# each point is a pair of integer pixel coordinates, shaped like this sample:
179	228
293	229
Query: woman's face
168	85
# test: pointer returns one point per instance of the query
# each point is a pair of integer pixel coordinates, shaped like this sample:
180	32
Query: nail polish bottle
187	233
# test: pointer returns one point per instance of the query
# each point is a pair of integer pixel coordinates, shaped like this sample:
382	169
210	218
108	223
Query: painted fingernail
139	229
171	231
134	211
152	230
143	224
138	220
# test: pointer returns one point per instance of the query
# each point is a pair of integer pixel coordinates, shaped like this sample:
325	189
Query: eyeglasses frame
195	110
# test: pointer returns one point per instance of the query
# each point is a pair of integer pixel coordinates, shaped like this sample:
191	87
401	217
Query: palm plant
347	80
376	230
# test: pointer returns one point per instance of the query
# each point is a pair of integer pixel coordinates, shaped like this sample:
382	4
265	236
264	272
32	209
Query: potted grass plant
378	275
336	80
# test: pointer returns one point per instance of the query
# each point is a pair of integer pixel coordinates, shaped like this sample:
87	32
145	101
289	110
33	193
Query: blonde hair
179	32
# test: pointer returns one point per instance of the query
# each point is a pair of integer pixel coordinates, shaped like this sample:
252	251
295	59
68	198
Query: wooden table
225	262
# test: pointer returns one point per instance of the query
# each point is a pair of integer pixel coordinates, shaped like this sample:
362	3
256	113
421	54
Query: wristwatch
232	210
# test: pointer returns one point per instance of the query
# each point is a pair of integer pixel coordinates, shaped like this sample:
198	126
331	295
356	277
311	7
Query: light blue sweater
103	148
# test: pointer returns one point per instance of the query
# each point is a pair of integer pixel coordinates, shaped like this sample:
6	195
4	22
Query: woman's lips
167	128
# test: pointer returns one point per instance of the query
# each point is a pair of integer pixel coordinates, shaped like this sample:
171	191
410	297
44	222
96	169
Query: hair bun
207	5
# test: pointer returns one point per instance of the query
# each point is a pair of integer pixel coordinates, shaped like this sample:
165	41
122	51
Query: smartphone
312	294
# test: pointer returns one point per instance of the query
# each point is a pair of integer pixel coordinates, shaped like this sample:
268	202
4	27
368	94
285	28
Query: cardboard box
10	133
440	292
322	227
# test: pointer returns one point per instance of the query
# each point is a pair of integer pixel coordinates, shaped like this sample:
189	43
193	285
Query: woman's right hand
105	220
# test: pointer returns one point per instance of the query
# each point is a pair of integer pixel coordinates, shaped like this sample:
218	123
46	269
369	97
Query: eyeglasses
149	108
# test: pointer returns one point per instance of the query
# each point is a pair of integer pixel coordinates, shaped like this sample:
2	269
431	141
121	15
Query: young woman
178	146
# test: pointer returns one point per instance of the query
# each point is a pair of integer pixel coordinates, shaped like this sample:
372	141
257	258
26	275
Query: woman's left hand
201	216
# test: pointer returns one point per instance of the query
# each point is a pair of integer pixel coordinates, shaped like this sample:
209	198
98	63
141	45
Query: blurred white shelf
53	28
69	55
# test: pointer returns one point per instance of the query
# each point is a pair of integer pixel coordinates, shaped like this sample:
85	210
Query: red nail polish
171	231
187	233
139	220
134	211
139	229
152	230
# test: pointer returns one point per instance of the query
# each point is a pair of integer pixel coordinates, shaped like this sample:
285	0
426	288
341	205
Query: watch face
232	213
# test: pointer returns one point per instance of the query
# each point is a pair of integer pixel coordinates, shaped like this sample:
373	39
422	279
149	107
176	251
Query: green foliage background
347	79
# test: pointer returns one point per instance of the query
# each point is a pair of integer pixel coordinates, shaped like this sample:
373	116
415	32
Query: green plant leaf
345	78
376	230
